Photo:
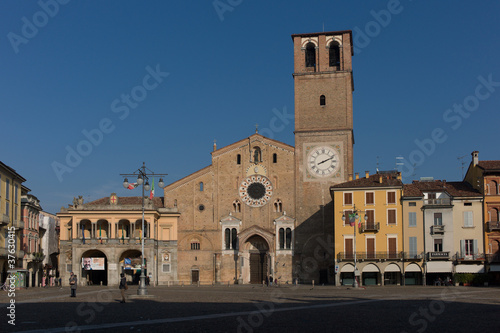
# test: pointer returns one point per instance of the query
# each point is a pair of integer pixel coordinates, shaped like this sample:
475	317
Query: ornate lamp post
355	215
142	175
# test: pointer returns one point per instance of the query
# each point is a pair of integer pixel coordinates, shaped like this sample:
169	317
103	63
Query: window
310	55
288	235
438	218
231	238
7	210
195	245
322	100
413	246
468	219
15	193
412	204
165	268
348	218
275	158
282	238
201	186
391	216
347	198
278	206
369	198
370	214
7	191
237	206
238	159
391	198
468	247
467	203
438	245
285	238
412	219
334	55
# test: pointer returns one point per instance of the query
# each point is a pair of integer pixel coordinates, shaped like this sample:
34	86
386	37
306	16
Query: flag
152	194
131	186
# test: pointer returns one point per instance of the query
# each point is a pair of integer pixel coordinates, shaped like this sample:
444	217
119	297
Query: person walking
73	280
123	286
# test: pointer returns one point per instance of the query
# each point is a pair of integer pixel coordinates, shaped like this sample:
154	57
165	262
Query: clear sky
122	82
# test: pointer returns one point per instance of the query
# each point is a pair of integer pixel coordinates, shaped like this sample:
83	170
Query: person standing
123	286
73	280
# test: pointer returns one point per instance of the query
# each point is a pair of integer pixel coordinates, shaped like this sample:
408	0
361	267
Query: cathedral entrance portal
259	263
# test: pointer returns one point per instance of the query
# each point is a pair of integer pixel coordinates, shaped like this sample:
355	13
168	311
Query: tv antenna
461	159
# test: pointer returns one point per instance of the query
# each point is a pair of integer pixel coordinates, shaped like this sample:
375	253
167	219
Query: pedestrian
60	282
271	280
73	280
123	286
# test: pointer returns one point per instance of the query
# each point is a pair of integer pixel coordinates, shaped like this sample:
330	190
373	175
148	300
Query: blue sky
67	70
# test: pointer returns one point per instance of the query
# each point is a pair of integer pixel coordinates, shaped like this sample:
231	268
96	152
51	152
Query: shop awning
347	269
440	267
392	268
494	268
413	268
370	269
469	268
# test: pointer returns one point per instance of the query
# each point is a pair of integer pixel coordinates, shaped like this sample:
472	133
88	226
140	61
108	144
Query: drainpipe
424	264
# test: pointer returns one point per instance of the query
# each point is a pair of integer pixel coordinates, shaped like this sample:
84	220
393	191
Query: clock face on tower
256	190
322	161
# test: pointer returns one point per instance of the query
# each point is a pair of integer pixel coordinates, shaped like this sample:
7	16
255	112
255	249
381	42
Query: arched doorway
258	250
130	264
94	268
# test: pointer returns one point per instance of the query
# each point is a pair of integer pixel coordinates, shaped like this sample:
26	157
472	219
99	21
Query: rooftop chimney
350	176
367	174
475	157
380	179
357	175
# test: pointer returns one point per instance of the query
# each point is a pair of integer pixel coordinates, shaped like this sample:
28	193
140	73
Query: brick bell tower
323	140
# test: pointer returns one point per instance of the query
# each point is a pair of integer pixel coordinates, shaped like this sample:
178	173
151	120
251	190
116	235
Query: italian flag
132	186
152	194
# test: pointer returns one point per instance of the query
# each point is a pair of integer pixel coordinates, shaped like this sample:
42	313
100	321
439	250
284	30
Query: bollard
313	283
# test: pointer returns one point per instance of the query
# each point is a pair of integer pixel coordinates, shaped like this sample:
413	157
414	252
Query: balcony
492	226
4	219
493	258
471	257
408	256
438	255
370	226
368	256
437	202
437	229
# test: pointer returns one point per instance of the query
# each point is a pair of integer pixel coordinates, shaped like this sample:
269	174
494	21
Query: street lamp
355	215
142	174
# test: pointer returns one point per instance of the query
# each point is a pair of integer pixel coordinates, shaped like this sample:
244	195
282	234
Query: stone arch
93	267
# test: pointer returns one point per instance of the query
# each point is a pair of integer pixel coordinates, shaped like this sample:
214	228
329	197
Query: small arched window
288	243
275	158
335	55
257	155
195	245
278	206
234	239
322	100
310	55
237	206
282	238
201	186
238	159
227	238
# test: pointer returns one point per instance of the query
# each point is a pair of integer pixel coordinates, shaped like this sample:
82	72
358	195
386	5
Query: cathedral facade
263	208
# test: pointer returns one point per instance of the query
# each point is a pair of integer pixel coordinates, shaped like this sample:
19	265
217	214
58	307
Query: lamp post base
142	291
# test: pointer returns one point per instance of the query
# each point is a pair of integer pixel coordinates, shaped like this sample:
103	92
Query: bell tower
323	129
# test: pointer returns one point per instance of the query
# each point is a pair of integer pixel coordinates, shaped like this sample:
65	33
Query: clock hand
325	160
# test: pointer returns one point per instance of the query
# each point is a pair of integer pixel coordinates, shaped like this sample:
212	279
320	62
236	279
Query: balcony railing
365	256
437	229
438	255
469	257
493	258
413	256
492	226
4	219
370	226
438	202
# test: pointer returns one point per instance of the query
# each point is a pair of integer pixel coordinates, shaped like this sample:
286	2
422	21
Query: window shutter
474	245
462	248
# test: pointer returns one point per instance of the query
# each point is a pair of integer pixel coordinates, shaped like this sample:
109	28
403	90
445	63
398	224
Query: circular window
256	190
201	208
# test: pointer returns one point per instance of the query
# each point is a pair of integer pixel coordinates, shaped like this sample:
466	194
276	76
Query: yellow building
106	234
373	244
10	220
485	177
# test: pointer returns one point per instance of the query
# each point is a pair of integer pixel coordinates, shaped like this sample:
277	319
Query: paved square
251	308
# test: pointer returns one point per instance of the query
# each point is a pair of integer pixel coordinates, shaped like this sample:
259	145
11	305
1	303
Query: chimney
350	176
367	174
357	175
399	176
215	145
475	157
380	179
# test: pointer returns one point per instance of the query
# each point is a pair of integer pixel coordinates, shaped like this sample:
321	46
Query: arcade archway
130	264
94	268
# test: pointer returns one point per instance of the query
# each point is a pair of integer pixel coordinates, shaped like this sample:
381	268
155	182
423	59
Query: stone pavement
248	308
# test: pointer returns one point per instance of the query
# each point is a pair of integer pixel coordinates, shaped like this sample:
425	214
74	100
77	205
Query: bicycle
4	286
